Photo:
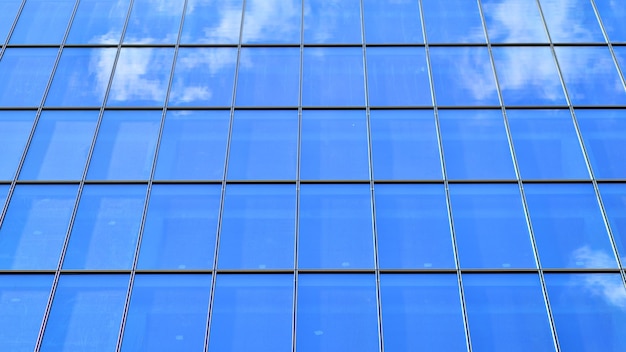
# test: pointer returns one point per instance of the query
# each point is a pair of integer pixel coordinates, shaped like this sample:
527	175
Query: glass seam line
12	28
605	34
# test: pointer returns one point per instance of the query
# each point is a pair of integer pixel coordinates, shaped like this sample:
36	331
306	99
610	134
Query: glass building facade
312	175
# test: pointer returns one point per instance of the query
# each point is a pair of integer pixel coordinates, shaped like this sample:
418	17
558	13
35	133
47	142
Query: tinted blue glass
35	226
154	22
106	226
98	21
453	21
334	145
604	135
391	21
272	21
252	313
333	77
506	312
620	54
268	77
203	76
463	76
546	144
24	73
193	145
422	312
8	11
167	313
60	146
179	230
43	22
613	14
412	227
23	300
490	226
588	311
258	227
141	77
590	75
614	201
568	226
125	145
504	27
332	21
263	145
212	21
335	228
336	312
571	21
86	313
475	144
4	191
15	127
405	145
528	76
397	76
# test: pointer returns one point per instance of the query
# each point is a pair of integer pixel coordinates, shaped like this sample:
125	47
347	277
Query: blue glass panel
397	76
507	312
106	226
203	76
263	145
15	127
252	313
24	73
422	313
60	146
43	22
335	228
590	75
546	144
34	228
504	27
333	77
412	227
8	11
4	191
331	22
86	313
211	21
125	145
272	22
336	312
528	76
258	227
391	21
475	144
405	145
453	21
268	77
568	226
463	76
620	55
141	77
490	226
167	313
588	311
23	300
613	14
572	21
98	22
154	22
614	201
334	145
604	135
180	227
193	145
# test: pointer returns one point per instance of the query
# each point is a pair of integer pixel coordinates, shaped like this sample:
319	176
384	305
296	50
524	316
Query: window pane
8	11
24	73
154	22
505	28
390	21
272	21
571	21
43	22
210	21
98	22
613	14
604	135
453	21
4	191
331	22
15	127
614	201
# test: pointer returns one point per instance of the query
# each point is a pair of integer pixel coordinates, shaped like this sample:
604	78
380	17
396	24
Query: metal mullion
608	41
10	33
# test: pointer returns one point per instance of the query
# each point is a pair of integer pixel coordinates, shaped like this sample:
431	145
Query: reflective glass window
15	127
272	22
180	227
211	21
506	312
335	227
613	14
193	145
604	135
614	201
24	73
4	192
620	54
334	145
98	22
268	77
125	145
333	77
463	76
34	228
475	144
391	21
568	226
503	27
106	226
154	22
86	313
43	22
572	21
167	313
8	11
264	145
332	22
258	227
405	145
252	313
453	21
412	226
546	144
336	312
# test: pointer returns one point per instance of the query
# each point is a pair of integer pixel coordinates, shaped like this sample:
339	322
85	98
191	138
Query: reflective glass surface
571	21
43	22
4	191
15	127
503	27
273	21
453	21
212	21
8	11
24	73
604	135
614	202
154	22
332	22
98	22
391	21
613	14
